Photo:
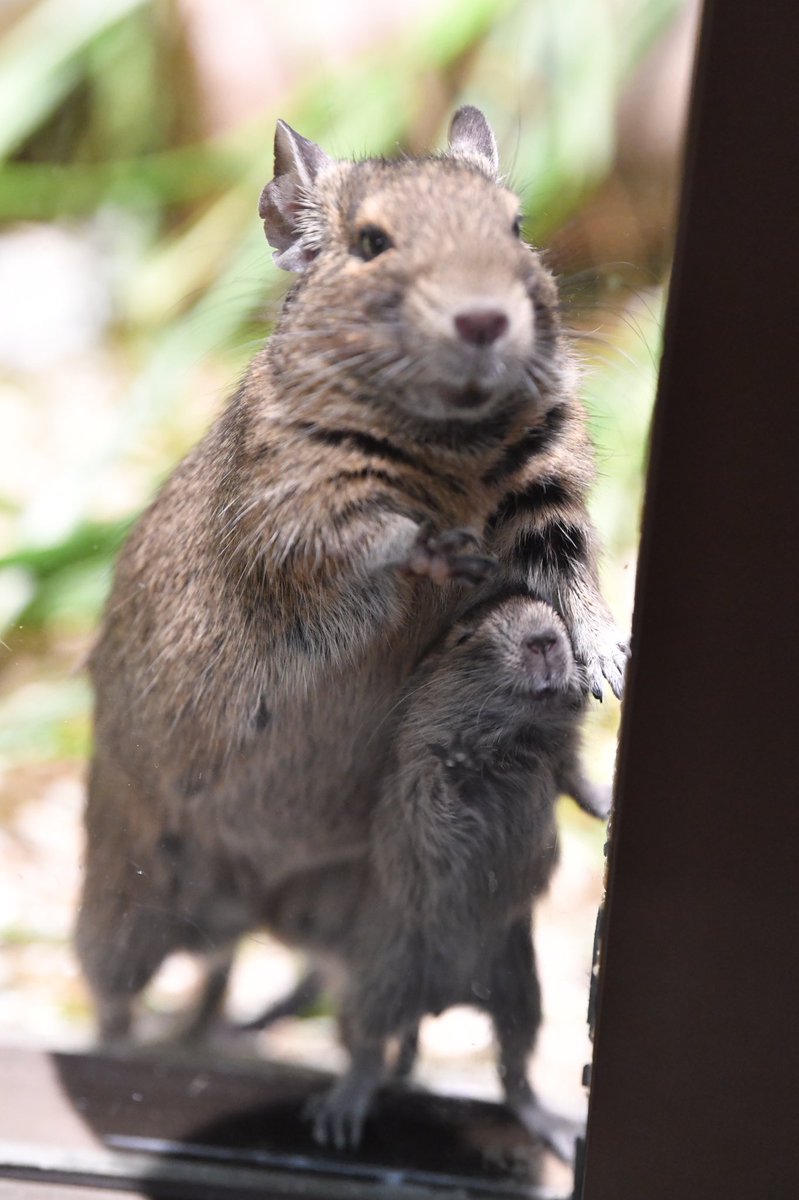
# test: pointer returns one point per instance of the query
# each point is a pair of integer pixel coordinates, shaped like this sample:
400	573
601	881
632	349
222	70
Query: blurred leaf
620	383
73	598
84	542
43	191
63	583
40	59
17	589
46	720
558	139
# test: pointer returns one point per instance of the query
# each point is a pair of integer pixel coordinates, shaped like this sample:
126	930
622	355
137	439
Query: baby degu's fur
412	417
463	841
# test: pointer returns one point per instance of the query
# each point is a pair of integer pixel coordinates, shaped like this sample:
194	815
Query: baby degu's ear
283	202
471	137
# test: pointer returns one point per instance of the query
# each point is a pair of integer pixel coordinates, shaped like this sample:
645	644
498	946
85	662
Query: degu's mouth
469	396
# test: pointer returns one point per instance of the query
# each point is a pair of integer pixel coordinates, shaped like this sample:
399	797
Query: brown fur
268	607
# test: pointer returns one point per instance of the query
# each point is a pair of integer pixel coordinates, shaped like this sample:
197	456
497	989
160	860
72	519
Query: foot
114	1021
558	1132
337	1116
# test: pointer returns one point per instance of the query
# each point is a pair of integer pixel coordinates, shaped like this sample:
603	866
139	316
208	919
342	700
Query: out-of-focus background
135	283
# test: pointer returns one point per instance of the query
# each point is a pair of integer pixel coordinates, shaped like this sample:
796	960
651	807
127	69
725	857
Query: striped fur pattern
269	607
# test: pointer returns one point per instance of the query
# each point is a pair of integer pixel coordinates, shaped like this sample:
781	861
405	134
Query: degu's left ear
471	137
283	202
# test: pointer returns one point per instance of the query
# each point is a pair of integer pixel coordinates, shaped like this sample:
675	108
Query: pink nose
481	326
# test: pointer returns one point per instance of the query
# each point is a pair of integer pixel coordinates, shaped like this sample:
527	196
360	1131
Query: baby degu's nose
540	661
481	326
539	645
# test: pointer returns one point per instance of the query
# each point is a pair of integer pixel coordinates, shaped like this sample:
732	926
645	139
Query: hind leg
120	945
209	1008
128	920
338	1115
383	999
407	1054
515	1009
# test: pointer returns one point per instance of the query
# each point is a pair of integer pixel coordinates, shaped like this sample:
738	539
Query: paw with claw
450	557
337	1116
603	653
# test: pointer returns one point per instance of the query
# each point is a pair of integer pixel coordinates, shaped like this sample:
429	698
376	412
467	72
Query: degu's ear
283	201
471	137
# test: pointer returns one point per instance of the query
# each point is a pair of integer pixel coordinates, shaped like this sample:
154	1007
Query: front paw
604	657
456	756
450	557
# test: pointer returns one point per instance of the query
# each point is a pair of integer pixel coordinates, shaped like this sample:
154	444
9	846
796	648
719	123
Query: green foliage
620	381
43	58
46	719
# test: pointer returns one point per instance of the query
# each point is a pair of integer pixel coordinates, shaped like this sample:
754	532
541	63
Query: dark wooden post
696	1070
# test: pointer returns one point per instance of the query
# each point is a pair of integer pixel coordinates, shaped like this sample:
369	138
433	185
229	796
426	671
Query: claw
473	568
604	657
615	672
337	1117
454	540
339	1131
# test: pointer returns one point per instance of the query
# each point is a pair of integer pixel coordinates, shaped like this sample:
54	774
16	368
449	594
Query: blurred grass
38	69
98	124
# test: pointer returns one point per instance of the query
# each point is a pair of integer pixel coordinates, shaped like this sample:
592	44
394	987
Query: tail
301	997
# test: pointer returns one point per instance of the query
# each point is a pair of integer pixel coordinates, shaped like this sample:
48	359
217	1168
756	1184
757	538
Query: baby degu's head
515	643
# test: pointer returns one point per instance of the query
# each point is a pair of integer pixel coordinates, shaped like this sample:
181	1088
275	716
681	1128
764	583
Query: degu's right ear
284	201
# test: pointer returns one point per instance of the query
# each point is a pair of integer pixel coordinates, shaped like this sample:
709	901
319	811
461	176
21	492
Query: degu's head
418	290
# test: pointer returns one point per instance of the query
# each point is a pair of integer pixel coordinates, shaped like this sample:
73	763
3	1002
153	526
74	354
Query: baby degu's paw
603	653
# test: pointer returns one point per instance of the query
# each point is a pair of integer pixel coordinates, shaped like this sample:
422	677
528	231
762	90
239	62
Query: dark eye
372	240
464	637
516	227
